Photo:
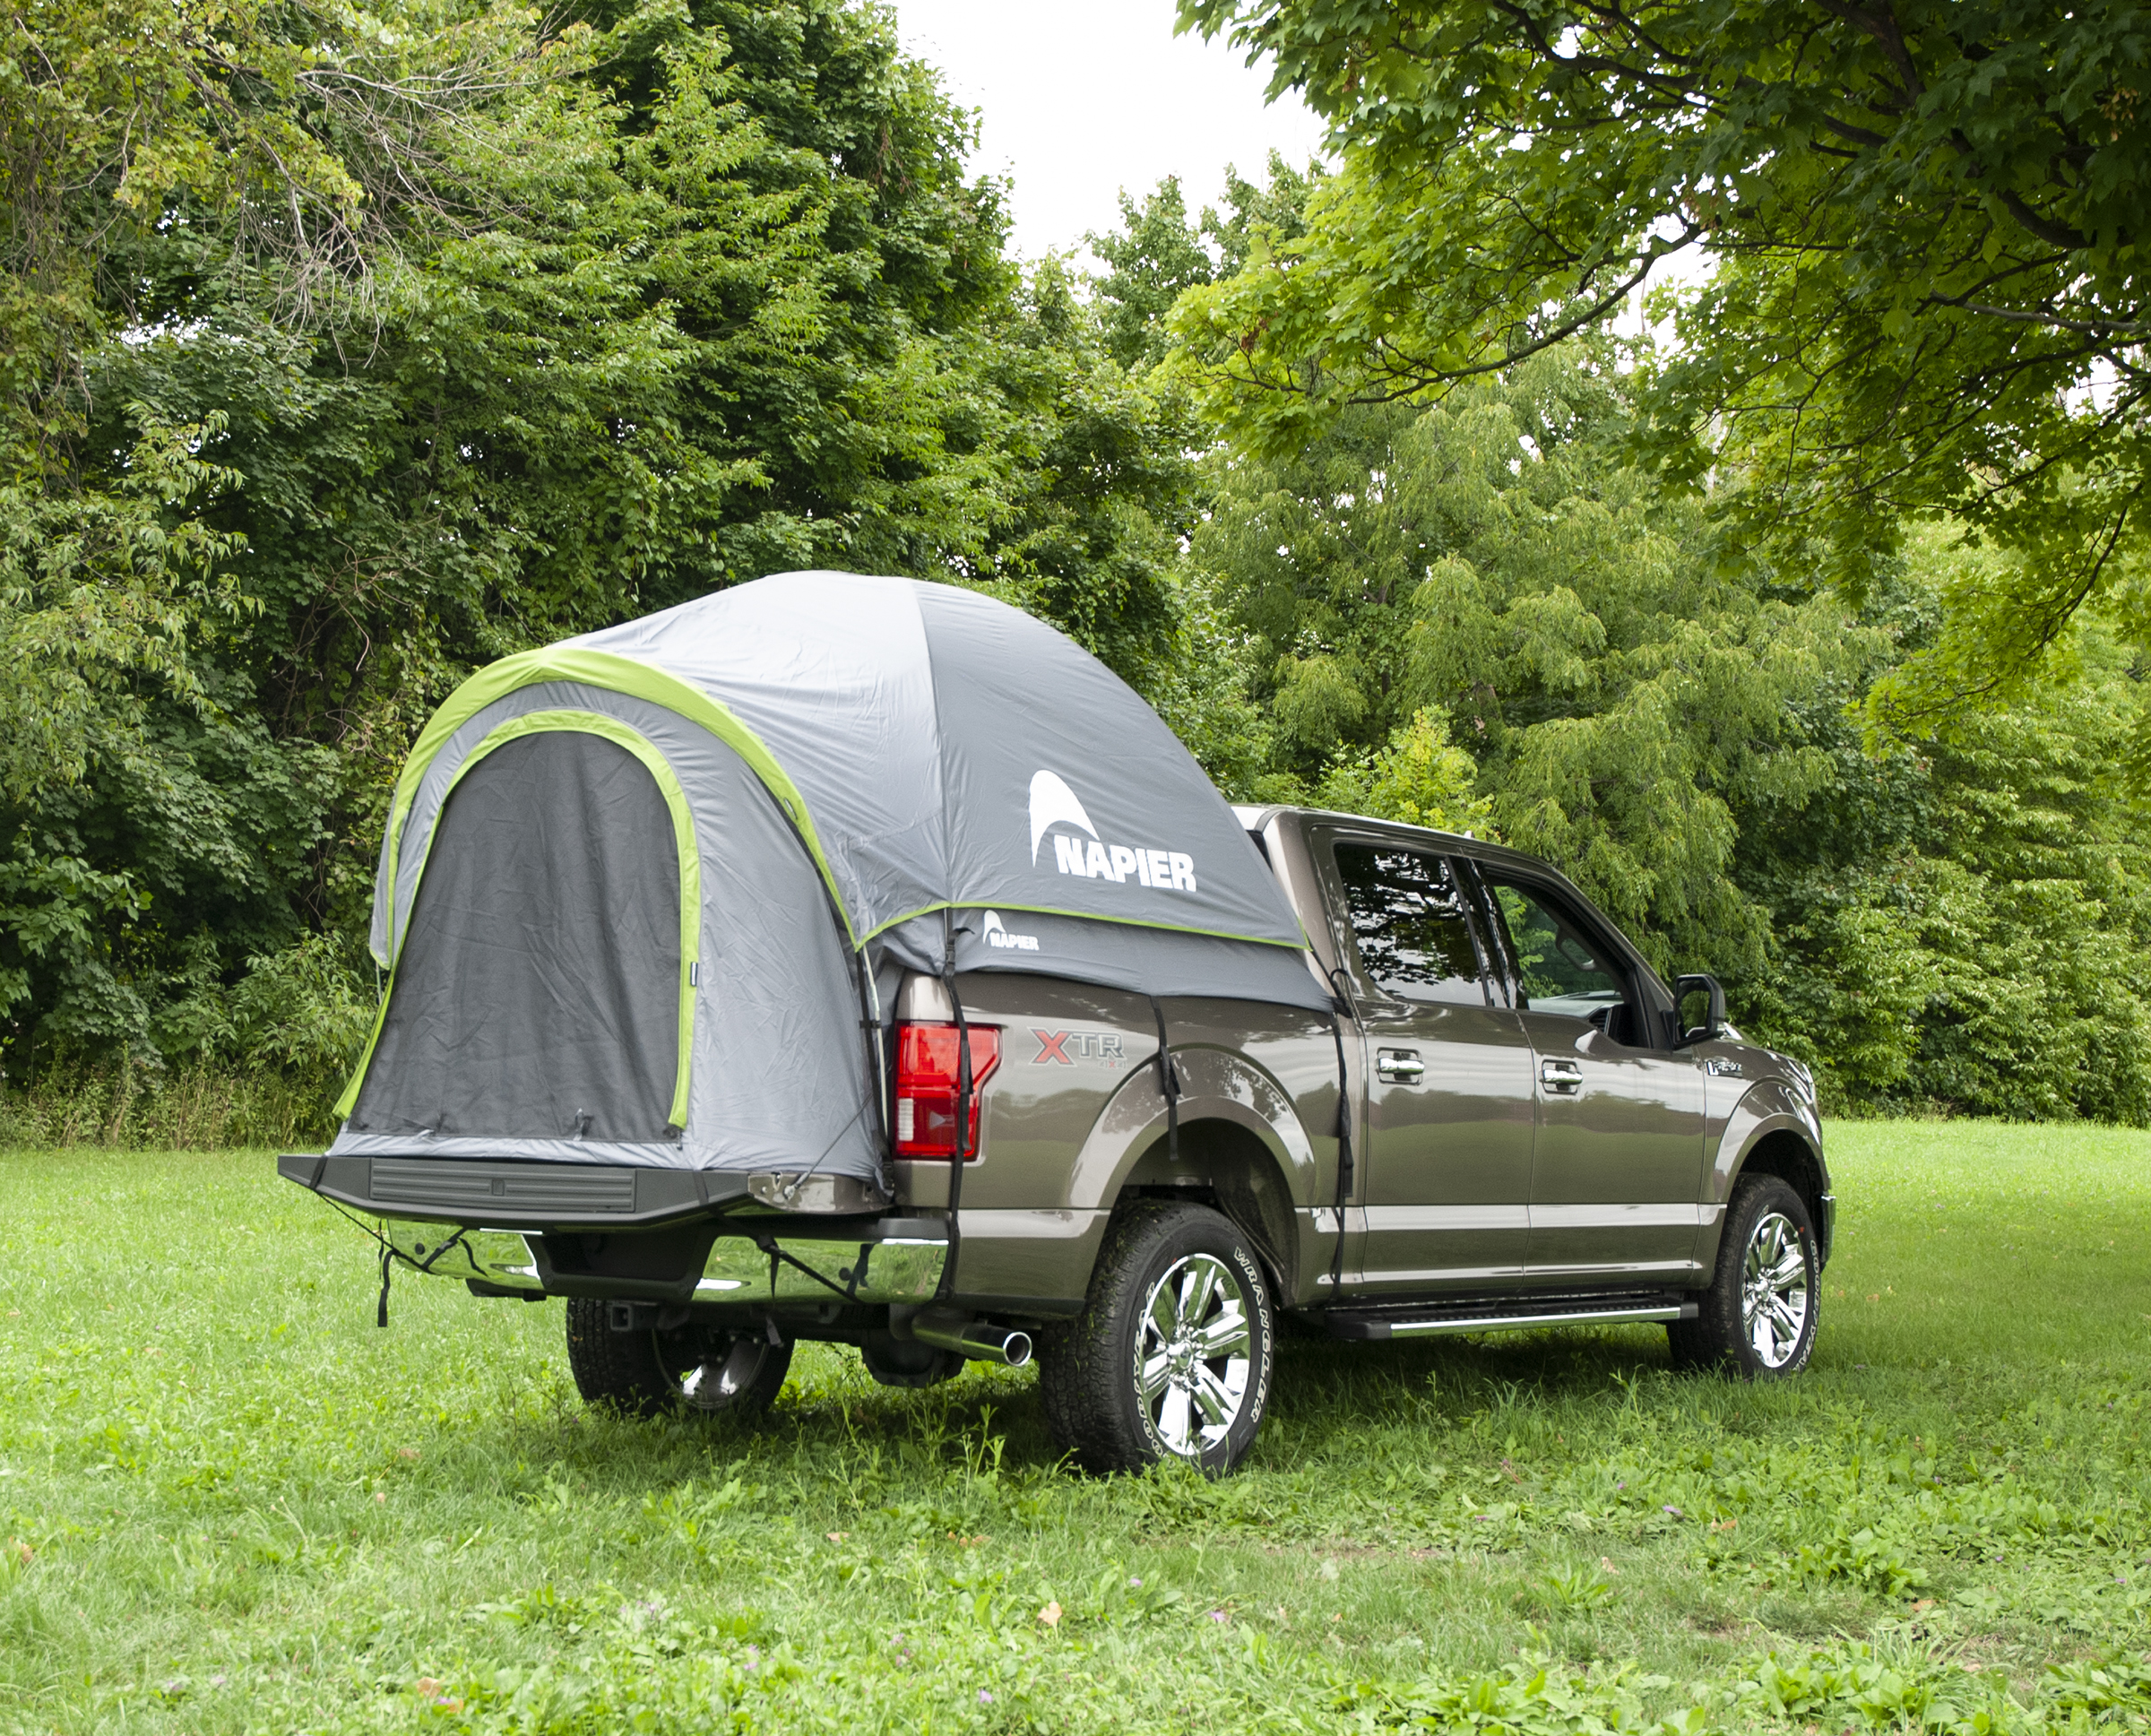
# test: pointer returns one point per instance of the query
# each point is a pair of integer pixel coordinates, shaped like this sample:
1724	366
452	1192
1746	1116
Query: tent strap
1169	1083
963	1127
1344	1162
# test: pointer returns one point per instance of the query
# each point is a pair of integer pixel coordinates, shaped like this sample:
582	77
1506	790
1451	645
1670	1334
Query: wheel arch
1241	1150
1773	1130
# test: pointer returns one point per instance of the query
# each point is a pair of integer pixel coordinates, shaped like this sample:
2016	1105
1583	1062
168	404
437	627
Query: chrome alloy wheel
710	1371
1194	1355
1774	1290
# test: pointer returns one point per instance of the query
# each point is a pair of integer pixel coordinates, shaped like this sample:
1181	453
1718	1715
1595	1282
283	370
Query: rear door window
1410	924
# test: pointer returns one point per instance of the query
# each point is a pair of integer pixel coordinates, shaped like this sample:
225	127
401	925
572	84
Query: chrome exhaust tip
978	1342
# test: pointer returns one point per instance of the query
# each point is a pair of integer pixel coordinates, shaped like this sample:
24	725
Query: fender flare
1219	1088
1766	1108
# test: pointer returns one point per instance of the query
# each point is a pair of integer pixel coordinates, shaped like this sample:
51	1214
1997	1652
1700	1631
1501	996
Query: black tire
1756	1320
709	1370
1092	1375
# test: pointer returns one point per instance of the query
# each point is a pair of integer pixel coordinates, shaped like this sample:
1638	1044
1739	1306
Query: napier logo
1054	804
997	935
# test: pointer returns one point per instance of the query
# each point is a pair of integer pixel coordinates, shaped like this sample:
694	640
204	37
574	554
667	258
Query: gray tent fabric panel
779	1076
1113	956
915	720
1047	753
830	671
538	995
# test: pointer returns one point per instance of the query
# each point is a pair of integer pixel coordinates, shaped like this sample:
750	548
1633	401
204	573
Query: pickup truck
1507	1121
856	958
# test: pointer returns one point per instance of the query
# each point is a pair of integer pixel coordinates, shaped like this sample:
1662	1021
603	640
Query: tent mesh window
537	994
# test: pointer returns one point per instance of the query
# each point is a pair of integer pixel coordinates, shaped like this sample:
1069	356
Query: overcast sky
1078	101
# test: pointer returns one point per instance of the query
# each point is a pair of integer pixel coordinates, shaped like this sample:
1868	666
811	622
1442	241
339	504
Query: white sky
1079	100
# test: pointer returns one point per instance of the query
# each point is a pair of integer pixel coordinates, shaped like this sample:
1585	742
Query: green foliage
1156	253
1926	220
1965	921
231	1503
1421	777
568	324
1495	558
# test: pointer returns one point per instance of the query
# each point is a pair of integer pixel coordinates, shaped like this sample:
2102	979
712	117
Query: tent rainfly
639	889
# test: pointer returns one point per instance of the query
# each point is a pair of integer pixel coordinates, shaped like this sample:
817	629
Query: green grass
228	1503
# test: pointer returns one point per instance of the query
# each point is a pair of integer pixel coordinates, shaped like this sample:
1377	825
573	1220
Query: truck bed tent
638	888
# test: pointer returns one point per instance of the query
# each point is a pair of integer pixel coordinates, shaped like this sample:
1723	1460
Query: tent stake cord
1169	1083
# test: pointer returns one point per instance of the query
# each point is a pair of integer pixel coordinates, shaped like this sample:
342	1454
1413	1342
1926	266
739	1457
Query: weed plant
122	1106
228	1503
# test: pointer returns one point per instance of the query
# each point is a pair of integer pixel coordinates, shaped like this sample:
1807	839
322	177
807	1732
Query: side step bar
1345	1324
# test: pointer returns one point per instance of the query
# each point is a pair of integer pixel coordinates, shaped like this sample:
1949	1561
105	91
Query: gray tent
639	889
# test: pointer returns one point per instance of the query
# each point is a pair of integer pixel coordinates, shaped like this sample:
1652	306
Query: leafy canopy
348	351
1927	220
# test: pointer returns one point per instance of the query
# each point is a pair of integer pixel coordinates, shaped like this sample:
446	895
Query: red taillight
926	1087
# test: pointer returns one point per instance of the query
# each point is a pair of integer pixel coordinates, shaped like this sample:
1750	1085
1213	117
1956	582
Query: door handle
1400	1067
1564	1078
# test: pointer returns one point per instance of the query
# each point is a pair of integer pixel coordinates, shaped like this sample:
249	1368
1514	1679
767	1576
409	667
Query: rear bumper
674	1237
513	1195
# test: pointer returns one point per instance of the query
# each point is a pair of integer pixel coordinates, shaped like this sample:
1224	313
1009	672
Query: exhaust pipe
976	1341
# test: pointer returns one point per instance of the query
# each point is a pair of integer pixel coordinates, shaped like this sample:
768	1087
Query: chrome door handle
1565	1077
1400	1067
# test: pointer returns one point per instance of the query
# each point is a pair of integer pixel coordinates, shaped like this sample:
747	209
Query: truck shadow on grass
1391	1399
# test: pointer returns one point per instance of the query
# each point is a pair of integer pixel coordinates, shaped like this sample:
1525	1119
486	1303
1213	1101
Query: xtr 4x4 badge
1065	1047
1054	804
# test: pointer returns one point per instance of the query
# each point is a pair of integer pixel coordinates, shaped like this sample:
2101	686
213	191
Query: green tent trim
1085	916
616	674
690	875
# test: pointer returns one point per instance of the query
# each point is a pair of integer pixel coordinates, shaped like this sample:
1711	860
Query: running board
1343	1324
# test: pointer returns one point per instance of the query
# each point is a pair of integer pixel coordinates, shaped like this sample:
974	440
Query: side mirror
1714	1020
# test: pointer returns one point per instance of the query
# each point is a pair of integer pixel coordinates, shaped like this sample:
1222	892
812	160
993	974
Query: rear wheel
1756	1320
710	1369
1170	1357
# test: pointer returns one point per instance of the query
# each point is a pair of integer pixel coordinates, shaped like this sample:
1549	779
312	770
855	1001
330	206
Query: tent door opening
543	987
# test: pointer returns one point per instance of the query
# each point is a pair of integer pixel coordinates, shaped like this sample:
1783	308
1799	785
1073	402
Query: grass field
228	1503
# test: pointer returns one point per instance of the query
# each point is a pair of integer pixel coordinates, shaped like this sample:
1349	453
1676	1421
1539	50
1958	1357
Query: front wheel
710	1369
1170	1356
1756	1320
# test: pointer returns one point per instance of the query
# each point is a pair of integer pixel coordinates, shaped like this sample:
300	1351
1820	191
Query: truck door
1445	1189
1616	1168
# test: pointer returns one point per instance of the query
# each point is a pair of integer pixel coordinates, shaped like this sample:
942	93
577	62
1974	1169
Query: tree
675	296
1494	559
1964	922
1926	217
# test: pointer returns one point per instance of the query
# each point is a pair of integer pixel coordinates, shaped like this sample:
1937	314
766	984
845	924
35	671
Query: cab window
1408	921
1565	970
